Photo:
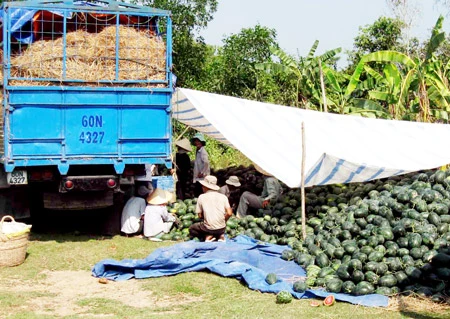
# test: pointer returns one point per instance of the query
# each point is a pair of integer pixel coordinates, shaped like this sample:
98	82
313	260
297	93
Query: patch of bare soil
61	290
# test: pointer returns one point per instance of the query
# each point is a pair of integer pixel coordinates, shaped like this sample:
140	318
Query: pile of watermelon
384	236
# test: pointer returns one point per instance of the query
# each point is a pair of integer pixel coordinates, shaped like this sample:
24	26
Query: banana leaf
379	56
437	37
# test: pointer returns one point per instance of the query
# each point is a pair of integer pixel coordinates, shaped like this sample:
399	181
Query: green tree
236	60
276	88
189	49
384	34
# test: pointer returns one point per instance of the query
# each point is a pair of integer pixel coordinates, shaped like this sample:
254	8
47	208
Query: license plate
17	178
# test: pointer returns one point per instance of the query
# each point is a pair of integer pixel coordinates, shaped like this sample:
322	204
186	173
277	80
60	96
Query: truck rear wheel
112	216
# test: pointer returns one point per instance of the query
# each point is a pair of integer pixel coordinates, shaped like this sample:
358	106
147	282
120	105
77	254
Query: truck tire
112	216
15	202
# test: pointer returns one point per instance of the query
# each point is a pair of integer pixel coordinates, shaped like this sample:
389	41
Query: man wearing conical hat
157	220
214	209
183	165
271	192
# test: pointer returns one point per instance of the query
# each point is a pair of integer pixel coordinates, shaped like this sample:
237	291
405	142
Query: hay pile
415	304
92	57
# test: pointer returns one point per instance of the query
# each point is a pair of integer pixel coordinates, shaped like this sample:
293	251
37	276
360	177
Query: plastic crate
164	182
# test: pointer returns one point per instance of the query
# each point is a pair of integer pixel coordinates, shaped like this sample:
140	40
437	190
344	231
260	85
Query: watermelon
443	273
368	237
348	286
413	273
343	272
271	278
357	276
329	301
300	286
232	223
326	271
386	291
439	177
284	297
166	237
188	216
287	254
186	224
414	240
334	285
177	237
363	288
322	260
402	278
388	280
375	256
371	277
434	219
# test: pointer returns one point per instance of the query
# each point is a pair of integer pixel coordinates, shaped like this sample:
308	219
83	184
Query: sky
335	23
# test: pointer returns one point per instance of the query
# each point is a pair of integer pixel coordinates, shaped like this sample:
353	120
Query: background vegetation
389	75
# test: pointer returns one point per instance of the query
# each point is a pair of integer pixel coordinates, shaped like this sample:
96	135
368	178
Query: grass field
55	282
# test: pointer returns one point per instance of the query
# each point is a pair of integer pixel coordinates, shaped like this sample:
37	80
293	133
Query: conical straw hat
160	196
184	144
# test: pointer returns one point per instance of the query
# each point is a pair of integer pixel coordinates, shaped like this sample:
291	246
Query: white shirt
213	206
157	219
131	215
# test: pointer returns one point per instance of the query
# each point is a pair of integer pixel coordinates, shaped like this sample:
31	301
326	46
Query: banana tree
347	104
412	89
338	97
306	71
387	88
430	84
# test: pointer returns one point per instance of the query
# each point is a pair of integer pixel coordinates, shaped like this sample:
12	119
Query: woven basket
12	249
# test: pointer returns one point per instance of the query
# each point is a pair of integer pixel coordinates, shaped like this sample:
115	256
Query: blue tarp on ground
243	258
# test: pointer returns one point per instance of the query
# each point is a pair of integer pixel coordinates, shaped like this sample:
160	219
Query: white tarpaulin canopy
339	148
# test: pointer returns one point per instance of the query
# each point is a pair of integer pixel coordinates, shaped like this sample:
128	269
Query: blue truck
86	102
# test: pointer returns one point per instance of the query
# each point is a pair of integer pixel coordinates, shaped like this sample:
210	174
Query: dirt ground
61	290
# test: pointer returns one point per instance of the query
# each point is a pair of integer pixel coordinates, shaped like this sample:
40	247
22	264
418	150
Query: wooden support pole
182	133
302	189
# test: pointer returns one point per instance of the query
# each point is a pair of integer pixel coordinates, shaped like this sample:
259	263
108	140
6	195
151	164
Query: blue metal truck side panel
119	127
79	124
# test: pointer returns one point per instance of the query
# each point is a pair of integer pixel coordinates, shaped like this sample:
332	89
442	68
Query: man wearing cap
157	220
231	190
271	192
133	213
183	164
214	209
201	164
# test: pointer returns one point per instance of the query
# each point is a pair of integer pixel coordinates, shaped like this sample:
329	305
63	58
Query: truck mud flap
14	201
